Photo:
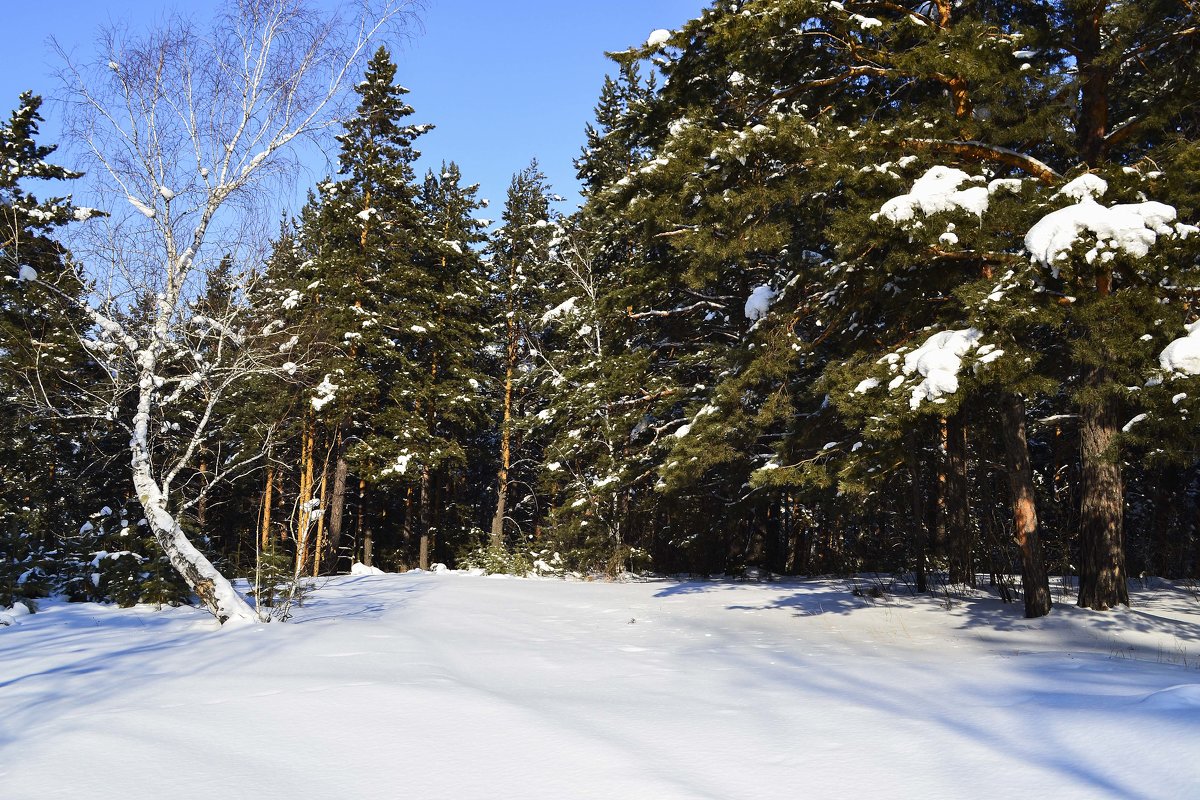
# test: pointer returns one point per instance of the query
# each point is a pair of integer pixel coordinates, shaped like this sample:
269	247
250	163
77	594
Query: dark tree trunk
426	524
1094	73
920	537
958	511
337	503
406	529
1101	513
1160	559
364	526
1035	583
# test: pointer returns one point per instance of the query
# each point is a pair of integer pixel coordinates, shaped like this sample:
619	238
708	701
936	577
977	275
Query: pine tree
520	255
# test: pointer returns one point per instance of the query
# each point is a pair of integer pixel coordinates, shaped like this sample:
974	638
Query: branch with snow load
935	365
1129	228
937	191
1182	356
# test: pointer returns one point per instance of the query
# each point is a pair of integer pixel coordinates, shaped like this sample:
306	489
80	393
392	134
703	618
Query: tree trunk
264	531
406	530
1169	486
958	513
497	535
1035	583
920	537
337	504
1094	73
364	528
319	547
209	585
426	524
304	511
202	506
1101	513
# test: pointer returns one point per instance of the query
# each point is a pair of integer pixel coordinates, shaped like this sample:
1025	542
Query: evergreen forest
853	287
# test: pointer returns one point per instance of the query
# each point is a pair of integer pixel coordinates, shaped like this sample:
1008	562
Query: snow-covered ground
452	686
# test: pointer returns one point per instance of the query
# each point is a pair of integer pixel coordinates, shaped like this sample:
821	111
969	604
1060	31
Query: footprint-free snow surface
454	686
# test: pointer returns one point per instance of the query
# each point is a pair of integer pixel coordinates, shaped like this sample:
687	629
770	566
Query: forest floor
456	686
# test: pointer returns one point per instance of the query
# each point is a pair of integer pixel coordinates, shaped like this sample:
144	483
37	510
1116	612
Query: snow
865	385
939	361
1086	185
658	38
27	273
142	208
1132	228
1128	426
935	192
1183	355
452	686
759	302
326	392
565	308
359	569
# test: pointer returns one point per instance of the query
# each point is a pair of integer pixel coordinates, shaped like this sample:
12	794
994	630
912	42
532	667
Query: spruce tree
50	474
455	385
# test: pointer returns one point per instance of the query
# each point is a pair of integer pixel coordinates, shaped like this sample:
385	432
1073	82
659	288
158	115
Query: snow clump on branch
934	192
938	361
658	38
1131	228
759	302
1183	355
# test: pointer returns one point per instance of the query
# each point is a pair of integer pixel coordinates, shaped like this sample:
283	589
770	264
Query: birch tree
184	129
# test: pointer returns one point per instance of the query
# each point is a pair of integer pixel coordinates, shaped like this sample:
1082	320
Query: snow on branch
673	312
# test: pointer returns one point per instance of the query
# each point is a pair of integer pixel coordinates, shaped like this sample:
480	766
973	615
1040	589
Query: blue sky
503	81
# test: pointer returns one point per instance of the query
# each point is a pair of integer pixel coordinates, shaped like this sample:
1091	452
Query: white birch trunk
214	590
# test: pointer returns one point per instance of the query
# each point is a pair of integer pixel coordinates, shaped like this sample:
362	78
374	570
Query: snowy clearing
453	686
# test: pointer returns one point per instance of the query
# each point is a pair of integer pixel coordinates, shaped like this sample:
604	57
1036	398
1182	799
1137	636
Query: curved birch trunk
214	590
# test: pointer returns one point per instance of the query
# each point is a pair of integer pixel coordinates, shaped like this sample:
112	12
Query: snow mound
359	569
11	616
938	361
1131	228
934	192
759	302
27	273
1183	355
1183	696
